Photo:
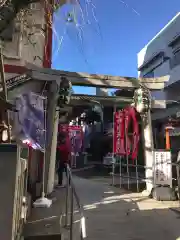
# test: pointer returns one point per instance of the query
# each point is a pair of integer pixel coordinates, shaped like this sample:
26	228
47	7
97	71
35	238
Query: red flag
131	145
118	147
127	139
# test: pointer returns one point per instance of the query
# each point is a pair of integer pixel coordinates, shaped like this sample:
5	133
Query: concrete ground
45	223
116	214
111	214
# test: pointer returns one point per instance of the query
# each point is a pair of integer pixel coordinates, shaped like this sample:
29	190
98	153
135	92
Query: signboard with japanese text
14	81
118	134
162	168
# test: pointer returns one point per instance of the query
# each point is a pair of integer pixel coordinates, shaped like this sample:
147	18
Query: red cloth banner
131	144
118	147
127	139
74	136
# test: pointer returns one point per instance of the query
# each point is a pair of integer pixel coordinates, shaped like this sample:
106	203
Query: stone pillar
51	176
148	152
52	124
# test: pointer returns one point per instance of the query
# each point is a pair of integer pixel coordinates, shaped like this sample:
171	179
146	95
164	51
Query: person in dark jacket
62	157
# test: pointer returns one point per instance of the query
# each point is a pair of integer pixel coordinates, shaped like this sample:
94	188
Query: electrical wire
93	7
81	51
78	27
89	3
50	24
60	44
87	13
81	10
134	10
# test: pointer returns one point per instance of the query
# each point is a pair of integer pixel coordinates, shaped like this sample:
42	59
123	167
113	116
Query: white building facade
160	57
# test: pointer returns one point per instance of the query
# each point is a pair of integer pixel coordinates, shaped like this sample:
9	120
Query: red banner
131	143
118	146
74	136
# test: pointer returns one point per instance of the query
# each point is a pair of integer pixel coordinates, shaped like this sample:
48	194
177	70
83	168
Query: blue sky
107	37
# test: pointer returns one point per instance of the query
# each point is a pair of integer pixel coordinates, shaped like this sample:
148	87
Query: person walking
62	157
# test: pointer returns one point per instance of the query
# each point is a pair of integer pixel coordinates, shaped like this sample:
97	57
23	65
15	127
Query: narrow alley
89	85
115	214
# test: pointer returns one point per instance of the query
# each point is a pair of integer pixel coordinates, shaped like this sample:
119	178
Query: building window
156	59
175	60
149	75
34	6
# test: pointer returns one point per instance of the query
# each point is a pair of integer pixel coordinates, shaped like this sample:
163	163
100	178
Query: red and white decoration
123	143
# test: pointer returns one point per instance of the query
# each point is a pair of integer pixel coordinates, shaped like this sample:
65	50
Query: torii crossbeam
94	80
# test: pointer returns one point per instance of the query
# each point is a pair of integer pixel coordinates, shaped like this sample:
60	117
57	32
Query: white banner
162	168
29	122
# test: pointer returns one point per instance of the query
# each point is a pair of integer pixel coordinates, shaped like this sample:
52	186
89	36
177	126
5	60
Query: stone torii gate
94	80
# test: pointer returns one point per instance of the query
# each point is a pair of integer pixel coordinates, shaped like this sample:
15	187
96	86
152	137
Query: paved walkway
113	214
46	221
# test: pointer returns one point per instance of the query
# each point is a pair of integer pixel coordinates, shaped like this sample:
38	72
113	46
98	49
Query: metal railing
20	208
71	195
124	172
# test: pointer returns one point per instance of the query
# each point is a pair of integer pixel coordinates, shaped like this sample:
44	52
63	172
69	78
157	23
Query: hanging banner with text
74	136
118	138
29	120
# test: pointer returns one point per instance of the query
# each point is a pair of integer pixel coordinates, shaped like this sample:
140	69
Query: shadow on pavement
116	214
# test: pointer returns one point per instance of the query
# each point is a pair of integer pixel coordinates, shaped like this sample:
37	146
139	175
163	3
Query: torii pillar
148	145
